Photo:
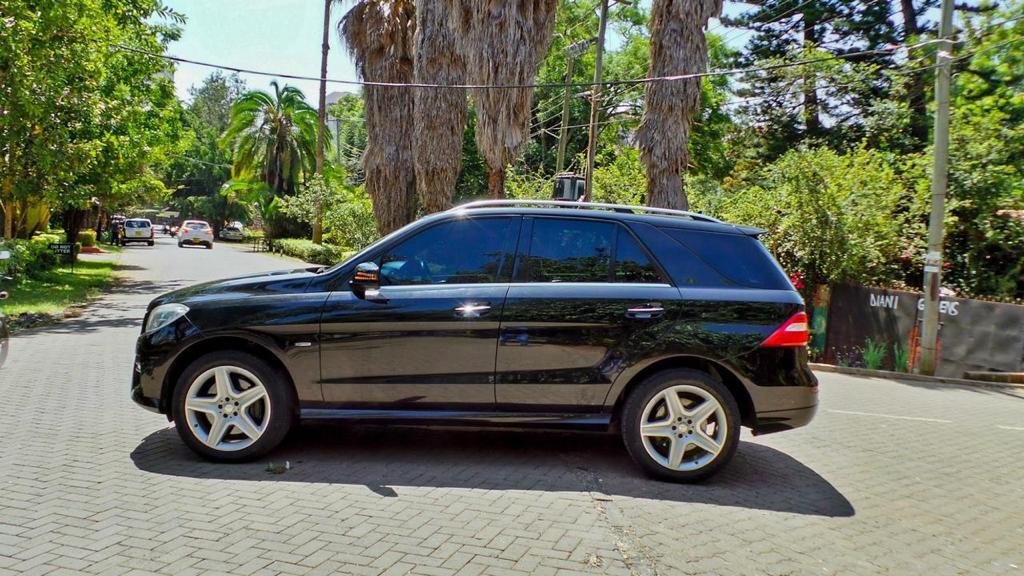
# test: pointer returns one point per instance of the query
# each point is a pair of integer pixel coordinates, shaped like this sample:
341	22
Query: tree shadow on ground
109	311
385	459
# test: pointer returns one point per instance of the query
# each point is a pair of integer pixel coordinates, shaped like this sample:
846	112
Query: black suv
671	327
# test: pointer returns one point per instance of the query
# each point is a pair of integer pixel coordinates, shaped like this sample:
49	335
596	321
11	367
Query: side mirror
366	281
5	255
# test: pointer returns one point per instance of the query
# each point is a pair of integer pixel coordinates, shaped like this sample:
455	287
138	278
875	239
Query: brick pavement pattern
91	484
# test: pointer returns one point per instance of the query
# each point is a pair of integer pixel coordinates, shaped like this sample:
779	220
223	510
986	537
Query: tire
198	388
180	245
209	245
708	441
150	243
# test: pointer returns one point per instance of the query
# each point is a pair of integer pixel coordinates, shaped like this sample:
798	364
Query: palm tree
504	42
272	138
379	36
678	47
440	114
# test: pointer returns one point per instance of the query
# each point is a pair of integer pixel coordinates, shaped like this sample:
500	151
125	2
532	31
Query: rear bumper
781	420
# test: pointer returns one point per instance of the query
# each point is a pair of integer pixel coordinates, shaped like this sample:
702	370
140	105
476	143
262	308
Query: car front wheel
232	407
681	425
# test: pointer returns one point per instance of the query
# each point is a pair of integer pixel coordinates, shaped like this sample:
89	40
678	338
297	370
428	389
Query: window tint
471	251
631	262
740	259
136	224
569	251
197	225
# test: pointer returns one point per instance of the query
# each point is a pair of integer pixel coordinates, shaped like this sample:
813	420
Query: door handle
473	310
645	311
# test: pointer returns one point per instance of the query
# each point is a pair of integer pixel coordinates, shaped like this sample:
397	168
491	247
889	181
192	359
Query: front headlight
163	315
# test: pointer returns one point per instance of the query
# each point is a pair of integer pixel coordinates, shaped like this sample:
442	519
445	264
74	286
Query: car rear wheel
209	245
232	407
681	425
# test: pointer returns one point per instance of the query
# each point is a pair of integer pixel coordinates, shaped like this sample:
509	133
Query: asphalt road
891	478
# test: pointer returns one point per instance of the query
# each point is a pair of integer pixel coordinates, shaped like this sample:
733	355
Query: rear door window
632	264
568	250
740	259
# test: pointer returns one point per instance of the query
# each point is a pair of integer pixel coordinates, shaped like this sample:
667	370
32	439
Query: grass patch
53	291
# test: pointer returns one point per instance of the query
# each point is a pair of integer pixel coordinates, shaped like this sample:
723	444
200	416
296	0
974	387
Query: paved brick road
890	479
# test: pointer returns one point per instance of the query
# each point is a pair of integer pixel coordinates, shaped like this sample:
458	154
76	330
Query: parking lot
891	478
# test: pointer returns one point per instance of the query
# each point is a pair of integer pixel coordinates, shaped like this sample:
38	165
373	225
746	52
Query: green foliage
874	354
307	251
202	168
272	137
87	238
900	357
80	117
31	257
349	221
831	217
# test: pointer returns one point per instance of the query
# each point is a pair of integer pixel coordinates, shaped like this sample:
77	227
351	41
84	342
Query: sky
273	35
277	36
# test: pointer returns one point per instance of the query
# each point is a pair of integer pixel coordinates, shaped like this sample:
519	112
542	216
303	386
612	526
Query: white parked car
138	230
232	232
195	233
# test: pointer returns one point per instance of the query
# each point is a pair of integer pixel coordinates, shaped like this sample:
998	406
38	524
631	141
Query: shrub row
31	257
307	251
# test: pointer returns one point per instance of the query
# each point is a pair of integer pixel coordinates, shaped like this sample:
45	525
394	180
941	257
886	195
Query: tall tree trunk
678	47
379	35
919	121
439	115
504	42
318	216
812	107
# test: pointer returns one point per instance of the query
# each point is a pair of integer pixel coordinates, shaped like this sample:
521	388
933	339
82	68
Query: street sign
63	249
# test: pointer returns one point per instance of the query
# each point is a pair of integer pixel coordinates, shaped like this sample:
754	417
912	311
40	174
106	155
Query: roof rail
586	206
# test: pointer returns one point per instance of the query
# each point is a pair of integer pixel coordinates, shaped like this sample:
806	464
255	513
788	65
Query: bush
87	238
31	257
307	251
831	217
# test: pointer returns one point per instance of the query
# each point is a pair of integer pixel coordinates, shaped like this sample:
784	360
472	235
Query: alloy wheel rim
227	408
683	428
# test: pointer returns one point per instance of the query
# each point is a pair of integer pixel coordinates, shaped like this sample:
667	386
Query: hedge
87	238
307	251
31	257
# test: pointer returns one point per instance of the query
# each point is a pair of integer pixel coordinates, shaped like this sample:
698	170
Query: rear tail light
792	333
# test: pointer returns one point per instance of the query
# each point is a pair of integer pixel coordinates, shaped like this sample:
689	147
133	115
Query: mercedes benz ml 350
670	328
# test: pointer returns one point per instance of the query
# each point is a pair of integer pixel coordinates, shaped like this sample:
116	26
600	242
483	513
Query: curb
913	377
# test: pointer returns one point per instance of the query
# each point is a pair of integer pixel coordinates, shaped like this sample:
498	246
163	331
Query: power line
645	80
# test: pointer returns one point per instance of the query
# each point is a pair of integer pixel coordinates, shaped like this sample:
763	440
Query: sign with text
63	249
973	334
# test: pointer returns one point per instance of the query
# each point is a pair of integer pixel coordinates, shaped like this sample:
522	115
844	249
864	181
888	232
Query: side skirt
470	418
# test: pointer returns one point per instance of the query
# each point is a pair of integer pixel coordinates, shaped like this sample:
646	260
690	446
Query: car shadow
385	459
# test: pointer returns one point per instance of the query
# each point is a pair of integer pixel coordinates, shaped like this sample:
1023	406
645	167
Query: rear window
741	260
136	224
196	225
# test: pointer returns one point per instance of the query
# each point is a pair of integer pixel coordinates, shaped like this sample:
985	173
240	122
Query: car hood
280	282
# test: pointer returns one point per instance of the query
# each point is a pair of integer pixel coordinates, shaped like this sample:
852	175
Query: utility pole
595	101
572	52
940	173
318	218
